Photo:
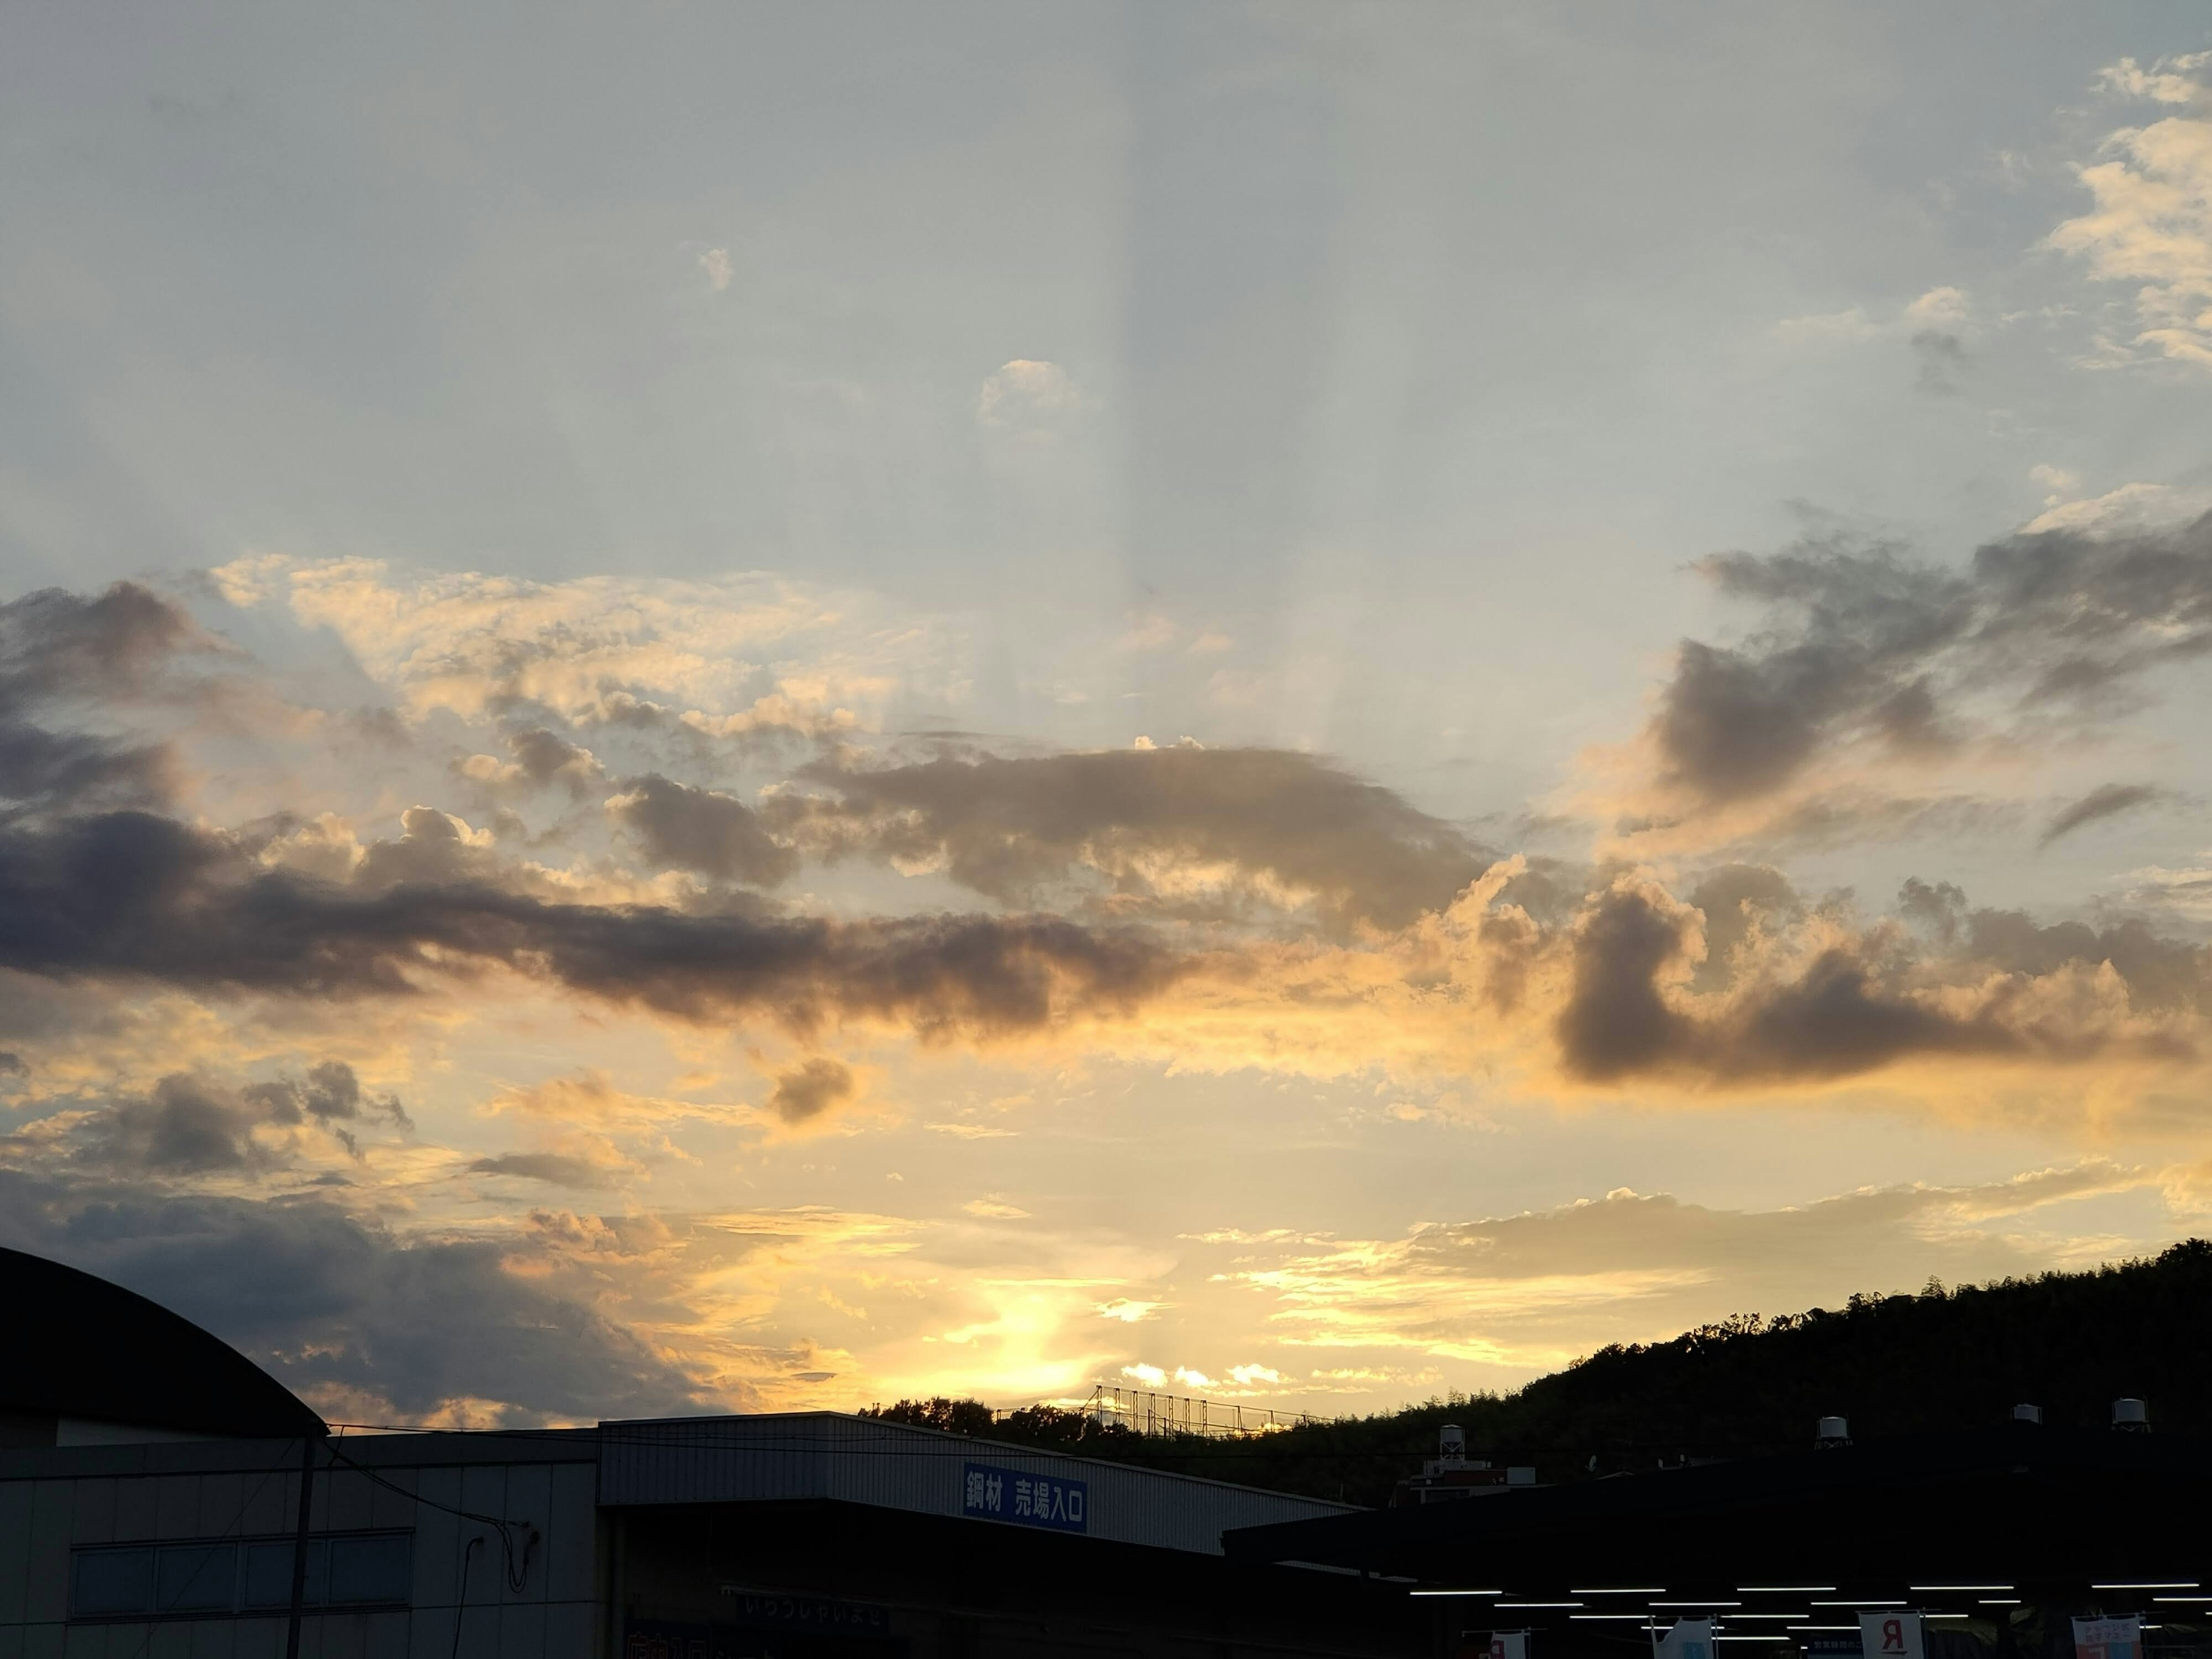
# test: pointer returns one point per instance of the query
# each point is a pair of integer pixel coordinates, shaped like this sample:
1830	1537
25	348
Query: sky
750	707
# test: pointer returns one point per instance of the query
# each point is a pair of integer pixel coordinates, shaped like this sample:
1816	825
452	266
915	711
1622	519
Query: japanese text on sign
1025	1499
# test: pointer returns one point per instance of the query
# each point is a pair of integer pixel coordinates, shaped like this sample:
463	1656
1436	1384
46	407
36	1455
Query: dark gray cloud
1943	358
185	1126
808	1091
60	652
1850	1007
556	1169
701	830
188	1124
135	895
1018	829
2108	801
323	1300
1863	646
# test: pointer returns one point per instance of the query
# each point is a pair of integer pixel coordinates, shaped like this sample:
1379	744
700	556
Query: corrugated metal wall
706	1460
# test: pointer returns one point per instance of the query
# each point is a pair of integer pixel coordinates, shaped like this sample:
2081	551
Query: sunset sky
725	709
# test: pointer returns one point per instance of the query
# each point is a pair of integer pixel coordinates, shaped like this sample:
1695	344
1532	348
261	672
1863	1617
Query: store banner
2108	1638
1891	1636
1509	1644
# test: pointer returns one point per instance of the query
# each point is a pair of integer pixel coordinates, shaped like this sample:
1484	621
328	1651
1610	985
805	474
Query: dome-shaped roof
79	1347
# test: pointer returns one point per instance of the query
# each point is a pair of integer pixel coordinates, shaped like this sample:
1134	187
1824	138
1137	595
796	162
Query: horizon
1301	706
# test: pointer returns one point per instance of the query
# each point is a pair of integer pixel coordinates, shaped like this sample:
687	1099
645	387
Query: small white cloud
1147	634
2056	479
2151	221
1144	741
1151	1375
2132	507
715	262
1938	304
1193	1379
1127	1311
2169	81
991	1208
1246	1376
1211	643
1026	393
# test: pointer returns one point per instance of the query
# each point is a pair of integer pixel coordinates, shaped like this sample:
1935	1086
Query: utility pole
299	1544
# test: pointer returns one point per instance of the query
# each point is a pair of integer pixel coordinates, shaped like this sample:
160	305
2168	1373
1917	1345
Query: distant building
149	1487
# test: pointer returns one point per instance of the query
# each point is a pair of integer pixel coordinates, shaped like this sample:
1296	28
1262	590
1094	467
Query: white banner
1891	1636
1509	1644
2108	1638
1690	1638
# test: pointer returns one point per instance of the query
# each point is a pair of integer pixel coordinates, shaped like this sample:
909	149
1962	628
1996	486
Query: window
355	1570
195	1578
114	1580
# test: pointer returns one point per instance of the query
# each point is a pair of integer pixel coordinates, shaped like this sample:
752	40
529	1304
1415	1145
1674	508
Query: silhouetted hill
2070	1343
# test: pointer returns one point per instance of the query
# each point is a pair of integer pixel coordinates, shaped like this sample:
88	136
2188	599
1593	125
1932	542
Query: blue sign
1025	1499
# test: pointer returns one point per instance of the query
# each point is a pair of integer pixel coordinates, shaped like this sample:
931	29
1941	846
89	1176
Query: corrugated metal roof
827	1455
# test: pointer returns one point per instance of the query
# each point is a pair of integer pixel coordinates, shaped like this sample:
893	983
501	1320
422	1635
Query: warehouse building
151	1477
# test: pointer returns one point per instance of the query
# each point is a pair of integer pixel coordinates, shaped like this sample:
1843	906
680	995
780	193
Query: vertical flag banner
2108	1638
1509	1644
1891	1636
1690	1638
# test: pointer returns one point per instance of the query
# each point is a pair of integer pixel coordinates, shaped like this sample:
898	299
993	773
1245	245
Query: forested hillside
1944	1359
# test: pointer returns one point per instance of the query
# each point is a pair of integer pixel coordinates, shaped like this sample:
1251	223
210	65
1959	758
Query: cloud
188	1125
133	896
1864	651
700	830
2109	800
2151	221
557	1168
348	1313
1531	1291
60	652
1939	307
1206	831
715	262
806	1091
540	758
752	658
1825	1002
1943	358
1027	393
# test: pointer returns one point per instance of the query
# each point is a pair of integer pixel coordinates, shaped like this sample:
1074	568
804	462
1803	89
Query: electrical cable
517	1572
461	1603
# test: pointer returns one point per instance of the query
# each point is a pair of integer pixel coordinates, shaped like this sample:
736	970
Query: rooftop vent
2132	1415
1833	1431
2027	1413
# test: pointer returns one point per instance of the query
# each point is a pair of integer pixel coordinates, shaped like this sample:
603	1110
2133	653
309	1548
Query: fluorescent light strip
1785	1589
1521	1606
1858	1604
2199	1597
1770	1615
1946	1615
2145	1584
2000	1601
1660	1590
1455	1592
1925	1590
1751	1638
1606	1615
1697	1604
